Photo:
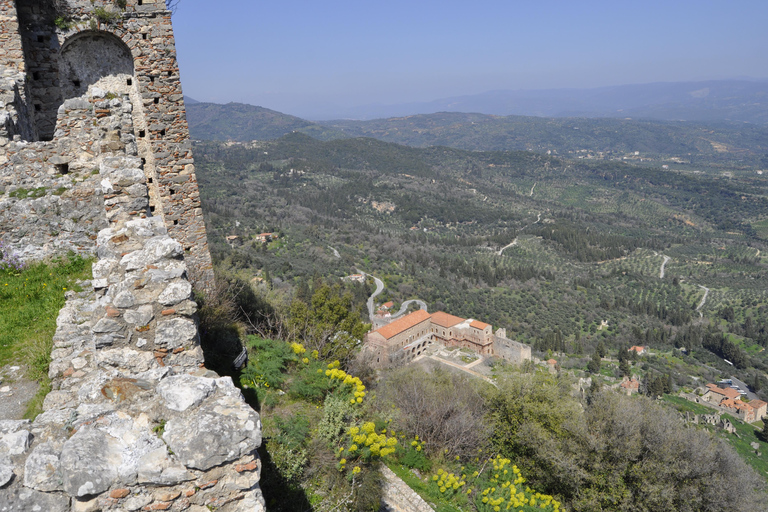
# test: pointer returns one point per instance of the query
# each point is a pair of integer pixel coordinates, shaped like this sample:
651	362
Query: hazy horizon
302	58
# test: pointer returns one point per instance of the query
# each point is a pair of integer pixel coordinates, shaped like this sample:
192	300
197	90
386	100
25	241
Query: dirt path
462	368
335	252
533	187
514	242
664	264
15	392
703	300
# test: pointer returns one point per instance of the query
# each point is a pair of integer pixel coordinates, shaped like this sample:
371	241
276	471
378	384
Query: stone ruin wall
44	65
134	421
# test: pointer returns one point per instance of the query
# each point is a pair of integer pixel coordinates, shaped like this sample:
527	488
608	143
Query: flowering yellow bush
335	374
495	488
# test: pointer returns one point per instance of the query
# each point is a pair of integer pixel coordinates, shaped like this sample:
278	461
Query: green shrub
105	16
309	384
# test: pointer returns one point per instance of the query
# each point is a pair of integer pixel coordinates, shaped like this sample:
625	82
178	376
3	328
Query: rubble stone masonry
95	159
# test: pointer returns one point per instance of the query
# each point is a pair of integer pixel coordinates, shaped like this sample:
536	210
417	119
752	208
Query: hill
241	122
694	142
681	144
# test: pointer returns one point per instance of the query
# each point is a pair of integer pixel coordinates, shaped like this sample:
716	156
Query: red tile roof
631	384
735	404
445	320
402	324
757	404
479	325
726	392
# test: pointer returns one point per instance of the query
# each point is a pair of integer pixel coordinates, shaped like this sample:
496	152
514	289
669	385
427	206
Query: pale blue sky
290	55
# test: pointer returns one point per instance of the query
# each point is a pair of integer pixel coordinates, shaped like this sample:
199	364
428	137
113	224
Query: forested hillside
585	241
579	258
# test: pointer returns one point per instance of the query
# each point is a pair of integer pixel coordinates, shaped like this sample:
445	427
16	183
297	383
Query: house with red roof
716	394
630	386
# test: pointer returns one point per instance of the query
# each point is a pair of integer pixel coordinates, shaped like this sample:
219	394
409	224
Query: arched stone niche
95	58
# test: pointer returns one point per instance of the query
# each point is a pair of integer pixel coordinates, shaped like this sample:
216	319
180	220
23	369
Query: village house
410	335
630	386
234	240
264	237
638	349
717	394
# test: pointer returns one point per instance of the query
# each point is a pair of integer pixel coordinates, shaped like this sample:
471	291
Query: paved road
743	385
379	289
404	307
666	259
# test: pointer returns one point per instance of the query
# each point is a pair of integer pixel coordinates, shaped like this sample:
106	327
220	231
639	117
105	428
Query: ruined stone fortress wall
42	65
134	421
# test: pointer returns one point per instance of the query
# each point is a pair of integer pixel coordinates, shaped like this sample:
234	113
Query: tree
601	349
624	367
594	365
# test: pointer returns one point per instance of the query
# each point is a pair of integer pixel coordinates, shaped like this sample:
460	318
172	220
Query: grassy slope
30	301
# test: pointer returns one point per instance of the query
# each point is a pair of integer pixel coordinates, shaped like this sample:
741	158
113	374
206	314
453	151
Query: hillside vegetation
578	257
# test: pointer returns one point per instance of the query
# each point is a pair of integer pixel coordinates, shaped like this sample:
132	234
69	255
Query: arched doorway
95	58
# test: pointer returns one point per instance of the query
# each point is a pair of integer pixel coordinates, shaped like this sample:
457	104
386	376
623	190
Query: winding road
514	242
661	273
404	308
703	300
379	289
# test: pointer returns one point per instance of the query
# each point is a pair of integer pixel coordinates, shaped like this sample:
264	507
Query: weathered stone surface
107	325
41	471
158	468
181	392
139	316
125	299
95	436
21	499
6	471
175	332
137	502
15	443
175	293
89	462
222	430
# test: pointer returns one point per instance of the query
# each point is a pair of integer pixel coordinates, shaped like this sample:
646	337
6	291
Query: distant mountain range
717	100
